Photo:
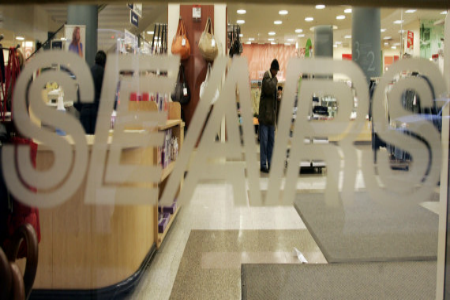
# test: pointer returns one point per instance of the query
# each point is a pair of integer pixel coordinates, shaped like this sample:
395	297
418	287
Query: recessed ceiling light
348	11
251	39
248	43
393	47
410	11
272	33
301	35
387	38
335	46
338	42
283	12
278	22
397	44
341	17
273	43
348	36
386	43
335	27
444	12
20	38
240	21
383	30
398	22
241	35
298	30
320	6
150	32
401	31
241	11
287	44
271	40
63	38
309	19
290	40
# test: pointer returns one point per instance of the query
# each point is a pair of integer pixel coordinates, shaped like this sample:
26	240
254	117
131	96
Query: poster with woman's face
76	39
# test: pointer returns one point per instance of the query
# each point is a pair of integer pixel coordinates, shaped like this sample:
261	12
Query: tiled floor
212	208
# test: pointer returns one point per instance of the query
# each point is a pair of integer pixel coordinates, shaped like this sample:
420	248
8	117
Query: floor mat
368	231
377	280
211	264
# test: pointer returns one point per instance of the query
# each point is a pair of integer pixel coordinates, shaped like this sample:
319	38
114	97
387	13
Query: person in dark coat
89	111
267	115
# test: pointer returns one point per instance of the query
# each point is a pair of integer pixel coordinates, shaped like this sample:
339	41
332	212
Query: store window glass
223	151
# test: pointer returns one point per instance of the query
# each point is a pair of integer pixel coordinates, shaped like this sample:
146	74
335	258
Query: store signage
134	18
110	182
136	7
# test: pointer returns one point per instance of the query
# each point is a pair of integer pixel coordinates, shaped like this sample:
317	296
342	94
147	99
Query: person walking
89	111
267	115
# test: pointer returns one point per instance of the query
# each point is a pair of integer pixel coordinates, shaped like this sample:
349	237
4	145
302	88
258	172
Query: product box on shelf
168	209
162	224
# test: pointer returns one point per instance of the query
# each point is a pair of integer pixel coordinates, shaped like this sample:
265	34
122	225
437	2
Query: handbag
180	43
205	83
207	43
182	93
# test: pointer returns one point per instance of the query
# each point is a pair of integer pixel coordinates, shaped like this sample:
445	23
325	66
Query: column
86	15
323	41
366	40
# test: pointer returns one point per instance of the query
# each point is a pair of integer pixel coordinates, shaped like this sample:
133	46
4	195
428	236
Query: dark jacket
268	100
97	72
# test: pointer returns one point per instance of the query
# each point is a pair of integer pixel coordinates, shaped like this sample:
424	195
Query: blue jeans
266	140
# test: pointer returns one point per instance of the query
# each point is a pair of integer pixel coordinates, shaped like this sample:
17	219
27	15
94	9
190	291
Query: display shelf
167	171
177	125
161	236
169	124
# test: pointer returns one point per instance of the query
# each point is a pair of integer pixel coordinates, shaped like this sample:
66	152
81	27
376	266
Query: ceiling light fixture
387	38
290	40
393	47
298	30
20	38
348	36
248	43
334	46
444	12
320	6
386	43
309	19
277	22
287	44
401	31
283	12
341	17
63	38
383	30
272	33
251	39
150	32
348	11
241	35
301	35
240	21
271	40
338	42
241	11
273	43
335	27
410	11
398	22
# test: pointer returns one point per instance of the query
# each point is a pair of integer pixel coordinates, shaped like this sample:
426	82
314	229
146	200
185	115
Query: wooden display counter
90	247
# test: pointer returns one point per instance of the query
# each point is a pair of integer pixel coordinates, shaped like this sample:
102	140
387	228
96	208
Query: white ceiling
259	20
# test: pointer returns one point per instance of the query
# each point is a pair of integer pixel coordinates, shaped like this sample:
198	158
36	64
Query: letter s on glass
59	182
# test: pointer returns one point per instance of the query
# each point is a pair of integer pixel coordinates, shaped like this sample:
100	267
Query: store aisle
212	208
